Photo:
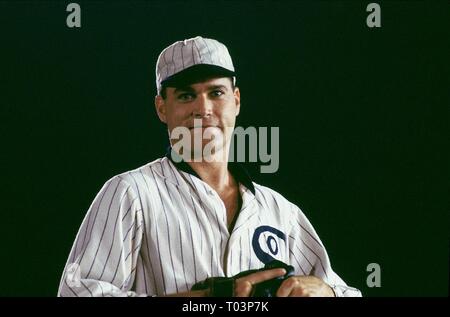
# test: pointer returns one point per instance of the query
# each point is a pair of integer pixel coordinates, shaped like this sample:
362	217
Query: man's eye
217	93
186	97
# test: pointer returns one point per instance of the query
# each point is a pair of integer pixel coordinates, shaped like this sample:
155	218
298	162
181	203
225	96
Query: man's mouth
203	126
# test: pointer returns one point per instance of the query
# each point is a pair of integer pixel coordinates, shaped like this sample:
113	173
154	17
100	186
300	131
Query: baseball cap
189	61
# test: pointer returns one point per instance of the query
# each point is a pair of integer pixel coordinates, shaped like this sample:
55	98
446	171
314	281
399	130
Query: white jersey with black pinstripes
158	230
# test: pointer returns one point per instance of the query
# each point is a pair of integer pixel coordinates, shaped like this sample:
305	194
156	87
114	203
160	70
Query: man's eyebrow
184	89
213	87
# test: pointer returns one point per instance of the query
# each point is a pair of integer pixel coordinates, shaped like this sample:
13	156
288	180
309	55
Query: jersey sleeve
309	257
105	253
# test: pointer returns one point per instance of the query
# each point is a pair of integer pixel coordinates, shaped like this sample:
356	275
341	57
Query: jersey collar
236	169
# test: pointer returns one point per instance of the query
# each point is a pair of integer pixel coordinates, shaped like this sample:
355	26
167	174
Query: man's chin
206	132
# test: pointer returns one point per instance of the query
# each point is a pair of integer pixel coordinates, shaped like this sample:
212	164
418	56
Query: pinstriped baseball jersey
159	229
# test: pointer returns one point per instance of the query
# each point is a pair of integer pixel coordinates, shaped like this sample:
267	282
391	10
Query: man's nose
203	107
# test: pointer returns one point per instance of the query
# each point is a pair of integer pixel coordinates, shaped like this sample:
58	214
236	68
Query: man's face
213	103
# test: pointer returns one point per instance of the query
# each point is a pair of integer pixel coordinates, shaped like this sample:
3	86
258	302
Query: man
191	223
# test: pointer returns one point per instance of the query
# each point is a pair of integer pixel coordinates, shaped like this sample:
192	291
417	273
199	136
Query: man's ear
237	99
160	107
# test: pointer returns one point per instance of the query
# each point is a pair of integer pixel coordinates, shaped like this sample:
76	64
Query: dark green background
363	117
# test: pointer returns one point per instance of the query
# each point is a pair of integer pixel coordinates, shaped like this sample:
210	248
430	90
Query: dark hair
163	92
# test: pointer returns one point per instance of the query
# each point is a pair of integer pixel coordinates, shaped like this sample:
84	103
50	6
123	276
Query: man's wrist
334	291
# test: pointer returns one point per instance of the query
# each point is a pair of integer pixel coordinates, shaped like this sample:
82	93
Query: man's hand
244	285
304	286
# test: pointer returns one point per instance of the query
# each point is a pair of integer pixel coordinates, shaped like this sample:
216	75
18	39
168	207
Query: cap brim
196	74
